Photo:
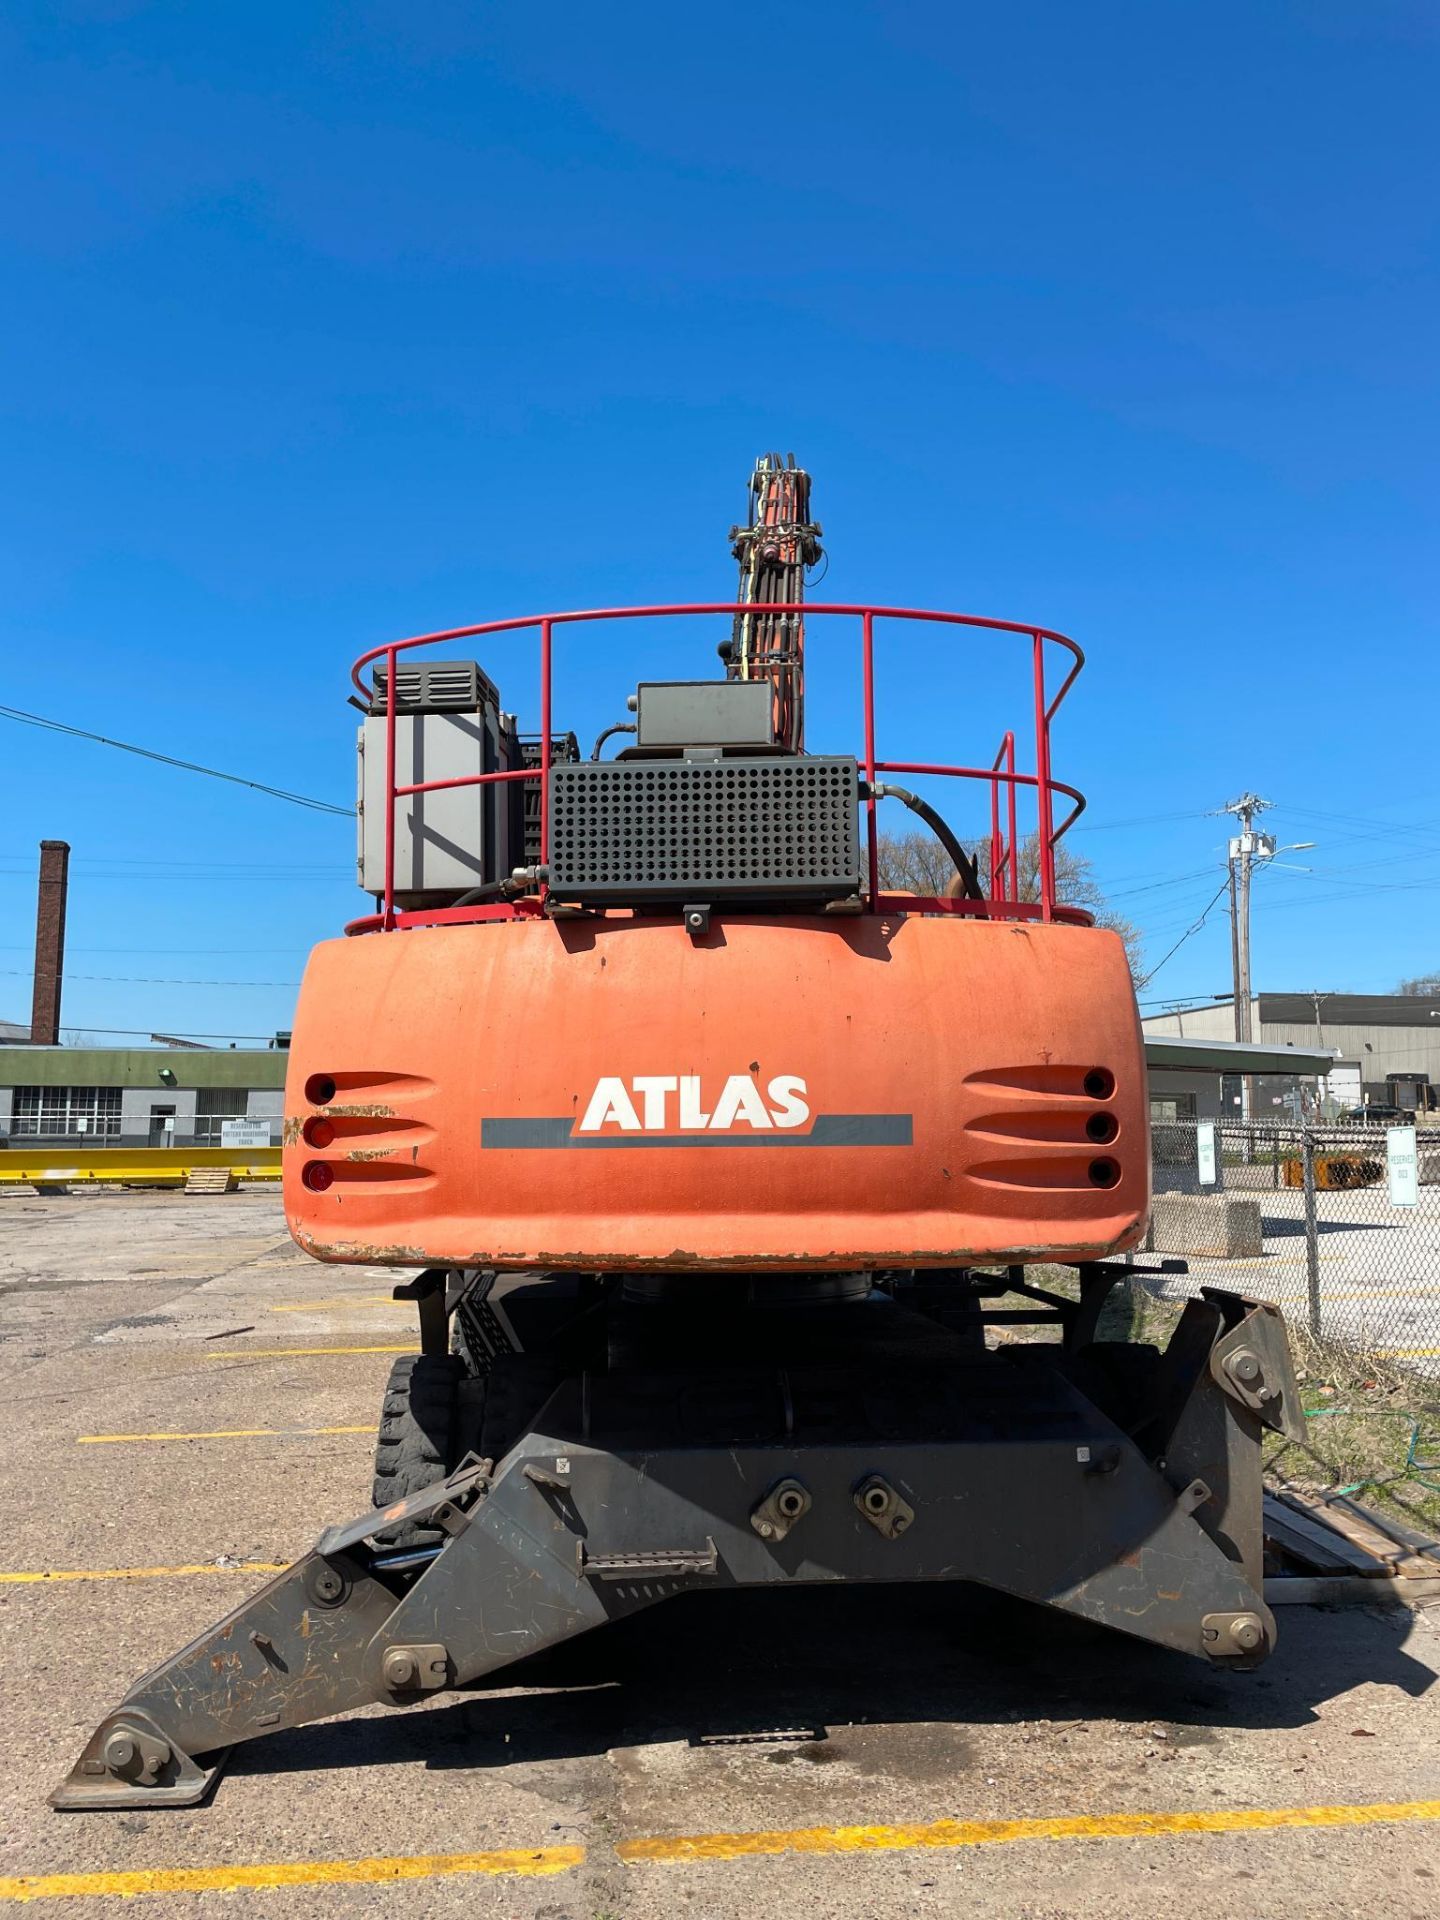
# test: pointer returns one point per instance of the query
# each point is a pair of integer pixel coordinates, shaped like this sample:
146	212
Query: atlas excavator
729	1182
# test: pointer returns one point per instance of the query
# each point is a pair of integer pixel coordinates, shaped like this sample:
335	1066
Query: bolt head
1246	1632
399	1668
1245	1366
328	1584
119	1750
764	1529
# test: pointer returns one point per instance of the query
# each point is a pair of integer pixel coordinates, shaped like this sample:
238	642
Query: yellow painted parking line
529	1862
50	1578
981	1833
697	1848
296	1353
219	1433
535	1862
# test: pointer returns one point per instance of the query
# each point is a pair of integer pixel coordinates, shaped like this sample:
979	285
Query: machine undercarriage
837	1432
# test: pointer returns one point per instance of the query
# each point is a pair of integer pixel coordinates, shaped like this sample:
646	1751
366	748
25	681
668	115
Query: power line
1152	886
210	866
1139	820
124	1032
145	980
169	760
1188	1002
1194	928
26	946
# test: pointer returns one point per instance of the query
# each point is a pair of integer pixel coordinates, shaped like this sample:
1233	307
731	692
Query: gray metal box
705	713
766	830
445	843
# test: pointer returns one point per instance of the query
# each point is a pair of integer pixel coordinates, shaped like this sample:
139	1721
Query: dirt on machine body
726	1172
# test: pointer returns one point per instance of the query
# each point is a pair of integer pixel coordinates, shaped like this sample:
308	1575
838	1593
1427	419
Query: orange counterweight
811	1092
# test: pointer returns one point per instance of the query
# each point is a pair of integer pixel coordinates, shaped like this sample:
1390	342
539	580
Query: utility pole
1245	847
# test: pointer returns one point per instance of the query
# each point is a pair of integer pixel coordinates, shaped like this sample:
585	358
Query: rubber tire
417	1443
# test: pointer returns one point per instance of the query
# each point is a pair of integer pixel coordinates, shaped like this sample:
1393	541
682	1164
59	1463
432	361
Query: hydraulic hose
487	890
621	726
964	865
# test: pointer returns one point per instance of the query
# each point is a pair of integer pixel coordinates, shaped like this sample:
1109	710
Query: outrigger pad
128	1762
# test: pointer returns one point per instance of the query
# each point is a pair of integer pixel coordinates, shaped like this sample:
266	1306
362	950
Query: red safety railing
1003	899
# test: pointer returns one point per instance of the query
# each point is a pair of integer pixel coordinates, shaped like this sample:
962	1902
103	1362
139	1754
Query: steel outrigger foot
1000	1471
129	1762
347	1625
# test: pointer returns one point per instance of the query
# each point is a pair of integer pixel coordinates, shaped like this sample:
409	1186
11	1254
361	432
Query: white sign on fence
1402	1167
1205	1153
245	1133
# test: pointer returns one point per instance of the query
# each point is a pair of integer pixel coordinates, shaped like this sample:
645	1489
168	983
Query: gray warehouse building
1385	1048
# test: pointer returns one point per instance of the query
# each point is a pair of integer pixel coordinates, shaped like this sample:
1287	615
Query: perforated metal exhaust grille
708	830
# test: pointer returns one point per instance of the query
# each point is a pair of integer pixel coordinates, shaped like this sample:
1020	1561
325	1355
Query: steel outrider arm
1145	1517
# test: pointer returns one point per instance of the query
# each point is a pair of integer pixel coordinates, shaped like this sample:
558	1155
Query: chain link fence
1339	1226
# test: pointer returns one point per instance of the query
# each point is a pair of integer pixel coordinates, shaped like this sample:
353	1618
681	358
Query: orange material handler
722	1175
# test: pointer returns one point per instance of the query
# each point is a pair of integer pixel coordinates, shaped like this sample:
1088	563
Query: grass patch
1373	1430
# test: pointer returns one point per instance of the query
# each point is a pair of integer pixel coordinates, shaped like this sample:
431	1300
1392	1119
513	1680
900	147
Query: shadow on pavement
727	1668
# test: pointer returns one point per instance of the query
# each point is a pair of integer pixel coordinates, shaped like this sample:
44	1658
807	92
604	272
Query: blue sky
327	324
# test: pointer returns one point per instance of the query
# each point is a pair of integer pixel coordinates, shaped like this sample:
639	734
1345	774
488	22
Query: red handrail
1004	881
1004	889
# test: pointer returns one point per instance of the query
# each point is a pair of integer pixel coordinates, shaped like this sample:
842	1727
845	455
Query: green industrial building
142	1096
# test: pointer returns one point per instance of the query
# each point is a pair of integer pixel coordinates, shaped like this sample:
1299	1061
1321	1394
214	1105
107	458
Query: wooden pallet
210	1180
1333	1549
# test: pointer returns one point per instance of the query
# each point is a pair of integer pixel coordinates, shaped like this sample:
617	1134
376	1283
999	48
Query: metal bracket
787	1503
646	1566
883	1507
428	1291
697	919
1251	1362
128	1762
469	1482
541	1477
1192	1497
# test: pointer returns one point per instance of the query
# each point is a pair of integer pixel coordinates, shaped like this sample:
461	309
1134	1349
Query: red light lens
317	1176
319	1133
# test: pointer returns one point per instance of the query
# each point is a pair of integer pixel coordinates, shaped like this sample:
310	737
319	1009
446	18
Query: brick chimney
50	942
